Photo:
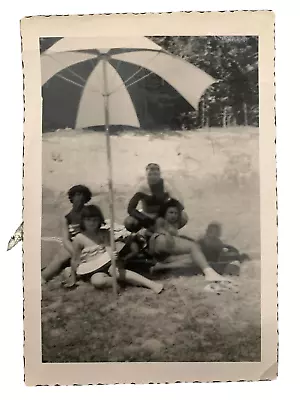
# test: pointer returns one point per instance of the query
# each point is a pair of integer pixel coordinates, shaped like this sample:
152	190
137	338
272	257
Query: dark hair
91	211
214	225
80	189
168	204
152	166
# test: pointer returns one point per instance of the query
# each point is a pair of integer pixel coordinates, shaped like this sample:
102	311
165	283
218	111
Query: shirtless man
152	193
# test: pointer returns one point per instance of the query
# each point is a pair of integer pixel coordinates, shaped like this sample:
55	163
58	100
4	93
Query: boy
226	259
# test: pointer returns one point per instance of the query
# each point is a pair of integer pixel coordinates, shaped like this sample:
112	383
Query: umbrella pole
110	180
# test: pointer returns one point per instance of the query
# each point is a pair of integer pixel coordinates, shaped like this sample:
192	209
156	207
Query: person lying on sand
90	244
78	195
152	193
167	242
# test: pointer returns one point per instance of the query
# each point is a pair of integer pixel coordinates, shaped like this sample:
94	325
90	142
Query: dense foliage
233	61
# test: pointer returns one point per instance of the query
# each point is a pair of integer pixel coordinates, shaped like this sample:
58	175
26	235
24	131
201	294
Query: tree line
233	62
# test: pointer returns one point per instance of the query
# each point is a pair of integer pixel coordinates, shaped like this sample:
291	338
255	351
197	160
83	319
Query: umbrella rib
136	72
70	81
124	82
143	77
77	75
69	68
91	89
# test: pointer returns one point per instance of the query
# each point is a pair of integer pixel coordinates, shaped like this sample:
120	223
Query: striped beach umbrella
102	76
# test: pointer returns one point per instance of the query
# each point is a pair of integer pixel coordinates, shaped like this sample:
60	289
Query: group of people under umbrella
155	227
102	74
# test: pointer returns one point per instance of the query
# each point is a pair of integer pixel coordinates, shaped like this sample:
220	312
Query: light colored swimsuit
91	250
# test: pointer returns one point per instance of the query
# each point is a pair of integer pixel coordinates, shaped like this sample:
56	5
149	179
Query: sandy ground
216	172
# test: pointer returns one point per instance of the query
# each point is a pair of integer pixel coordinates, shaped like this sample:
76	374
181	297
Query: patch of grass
181	324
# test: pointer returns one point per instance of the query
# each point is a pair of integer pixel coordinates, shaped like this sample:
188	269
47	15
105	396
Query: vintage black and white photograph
153	139
150	219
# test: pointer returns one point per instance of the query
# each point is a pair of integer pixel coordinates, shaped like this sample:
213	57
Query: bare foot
212	276
70	282
219	283
155	267
158	288
69	285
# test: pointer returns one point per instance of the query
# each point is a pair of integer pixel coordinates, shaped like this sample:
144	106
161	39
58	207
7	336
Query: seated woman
166	242
90	244
78	195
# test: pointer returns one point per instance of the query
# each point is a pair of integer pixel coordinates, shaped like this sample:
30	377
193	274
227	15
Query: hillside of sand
216	171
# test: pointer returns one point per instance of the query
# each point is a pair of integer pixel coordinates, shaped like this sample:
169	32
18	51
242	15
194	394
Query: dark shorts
159	256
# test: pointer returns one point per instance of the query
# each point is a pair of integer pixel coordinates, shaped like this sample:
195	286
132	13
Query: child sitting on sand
91	243
78	195
211	243
215	250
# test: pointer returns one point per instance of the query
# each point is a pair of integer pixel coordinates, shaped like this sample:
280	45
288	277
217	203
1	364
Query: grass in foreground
183	323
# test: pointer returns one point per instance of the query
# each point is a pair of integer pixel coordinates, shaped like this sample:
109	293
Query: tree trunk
238	113
224	121
203	113
207	121
245	114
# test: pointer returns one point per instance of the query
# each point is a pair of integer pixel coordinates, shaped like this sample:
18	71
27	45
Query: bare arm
133	203
161	226
77	249
65	236
75	260
143	219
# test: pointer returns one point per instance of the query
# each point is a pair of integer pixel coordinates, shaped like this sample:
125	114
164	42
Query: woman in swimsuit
78	195
90	244
166	242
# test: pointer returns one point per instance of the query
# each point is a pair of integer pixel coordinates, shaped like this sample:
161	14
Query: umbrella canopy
129	61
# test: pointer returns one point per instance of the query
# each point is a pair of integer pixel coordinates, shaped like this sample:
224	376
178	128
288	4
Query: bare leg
200	260
55	267
101	280
173	262
183	246
131	224
137	280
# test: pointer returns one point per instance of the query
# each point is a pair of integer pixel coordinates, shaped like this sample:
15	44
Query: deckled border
35	371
